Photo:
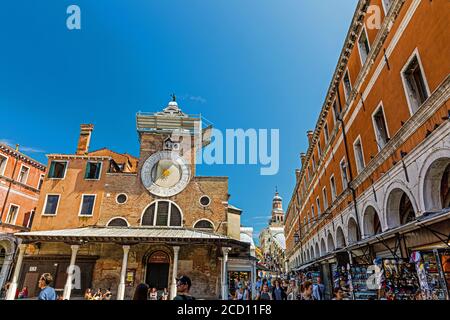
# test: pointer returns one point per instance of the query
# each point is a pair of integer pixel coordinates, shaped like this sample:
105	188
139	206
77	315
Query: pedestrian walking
319	290
338	294
183	287
140	294
308	291
265	293
47	292
278	291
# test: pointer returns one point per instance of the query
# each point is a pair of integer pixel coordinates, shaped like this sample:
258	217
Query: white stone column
253	279
123	273
13	287
225	252
173	285
70	273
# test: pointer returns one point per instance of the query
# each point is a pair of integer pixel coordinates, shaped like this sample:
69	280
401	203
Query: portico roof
130	235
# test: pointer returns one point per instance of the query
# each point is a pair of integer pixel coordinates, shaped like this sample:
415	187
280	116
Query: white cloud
22	148
197	99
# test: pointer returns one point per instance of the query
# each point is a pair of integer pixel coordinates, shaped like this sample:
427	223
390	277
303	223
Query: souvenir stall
433	270
399	280
361	276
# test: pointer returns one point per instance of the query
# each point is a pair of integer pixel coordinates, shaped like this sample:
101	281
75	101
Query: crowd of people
292	289
266	288
144	292
98	295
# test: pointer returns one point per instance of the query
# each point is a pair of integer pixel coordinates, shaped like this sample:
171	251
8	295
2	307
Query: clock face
165	174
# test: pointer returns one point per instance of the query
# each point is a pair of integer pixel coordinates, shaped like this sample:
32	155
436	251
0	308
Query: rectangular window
12	214
363	45
318	206
325	132
319	150
344	176
3	162
57	170
41	181
333	188
93	170
23	174
347	85
51	204
381	133
415	84
359	156
313	213
335	111
87	205
325	199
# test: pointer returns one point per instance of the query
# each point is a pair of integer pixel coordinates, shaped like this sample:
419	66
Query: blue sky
240	63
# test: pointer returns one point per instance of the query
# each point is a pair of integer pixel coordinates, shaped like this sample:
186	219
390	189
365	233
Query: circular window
205	201
121	198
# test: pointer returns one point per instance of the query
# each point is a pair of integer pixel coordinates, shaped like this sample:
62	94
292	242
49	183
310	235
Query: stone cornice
340	69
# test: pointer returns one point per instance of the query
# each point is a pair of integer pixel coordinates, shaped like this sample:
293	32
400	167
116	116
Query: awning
426	219
131	235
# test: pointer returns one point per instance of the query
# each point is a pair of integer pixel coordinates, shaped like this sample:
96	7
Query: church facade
112	221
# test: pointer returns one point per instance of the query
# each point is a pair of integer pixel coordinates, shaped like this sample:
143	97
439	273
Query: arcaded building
120	220
373	187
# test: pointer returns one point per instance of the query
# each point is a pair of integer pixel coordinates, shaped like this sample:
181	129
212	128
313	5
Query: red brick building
123	220
21	178
374	182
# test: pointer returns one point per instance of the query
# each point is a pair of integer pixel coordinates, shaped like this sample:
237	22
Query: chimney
297	174
85	139
303	158
310	136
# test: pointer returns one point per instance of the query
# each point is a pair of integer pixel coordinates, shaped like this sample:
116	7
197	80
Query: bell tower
277	211
171	130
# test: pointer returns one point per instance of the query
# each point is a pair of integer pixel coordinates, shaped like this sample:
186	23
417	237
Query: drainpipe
344	137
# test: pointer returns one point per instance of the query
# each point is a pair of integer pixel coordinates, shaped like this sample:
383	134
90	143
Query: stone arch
399	208
153	249
323	247
8	247
317	250
371	222
153	209
352	230
330	242
340	238
118	222
394	193
434	181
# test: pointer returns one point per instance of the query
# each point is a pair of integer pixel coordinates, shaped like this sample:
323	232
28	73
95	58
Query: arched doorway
157	275
436	191
372	224
399	209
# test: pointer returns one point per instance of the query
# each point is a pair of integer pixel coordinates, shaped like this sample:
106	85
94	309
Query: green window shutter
88	169
99	169
51	172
